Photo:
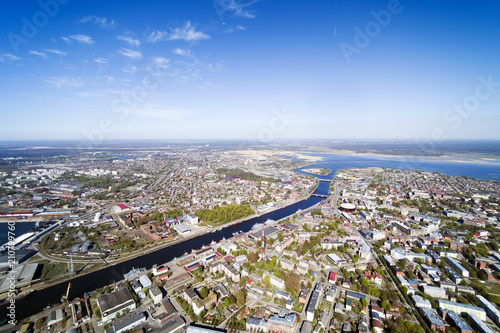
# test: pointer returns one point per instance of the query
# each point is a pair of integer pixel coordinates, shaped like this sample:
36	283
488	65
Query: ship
133	272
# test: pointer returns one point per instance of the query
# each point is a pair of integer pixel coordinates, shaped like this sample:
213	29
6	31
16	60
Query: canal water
36	301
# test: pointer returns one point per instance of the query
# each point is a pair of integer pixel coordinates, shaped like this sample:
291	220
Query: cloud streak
235	8
130	53
83	39
130	41
64	82
54	51
99	21
41	54
187	33
8	57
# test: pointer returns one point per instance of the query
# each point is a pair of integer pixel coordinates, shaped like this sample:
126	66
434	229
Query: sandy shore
254	153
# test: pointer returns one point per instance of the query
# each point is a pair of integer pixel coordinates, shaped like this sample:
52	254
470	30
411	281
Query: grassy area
52	270
493	287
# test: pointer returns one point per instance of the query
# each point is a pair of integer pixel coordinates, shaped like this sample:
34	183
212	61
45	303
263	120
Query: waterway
451	167
36	301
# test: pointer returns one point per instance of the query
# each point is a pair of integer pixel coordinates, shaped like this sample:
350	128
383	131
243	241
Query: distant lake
455	167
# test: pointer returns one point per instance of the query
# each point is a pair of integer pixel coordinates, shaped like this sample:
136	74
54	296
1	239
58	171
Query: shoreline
449	158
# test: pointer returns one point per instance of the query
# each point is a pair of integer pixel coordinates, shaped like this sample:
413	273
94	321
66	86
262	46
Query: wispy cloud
109	79
182	52
99	21
84	39
130	69
8	57
161	62
157	36
131	41
54	51
130	53
187	33
64	82
101	60
235	8
41	54
240	27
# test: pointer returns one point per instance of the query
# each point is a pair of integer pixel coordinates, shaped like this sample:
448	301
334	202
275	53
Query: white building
155	294
435	292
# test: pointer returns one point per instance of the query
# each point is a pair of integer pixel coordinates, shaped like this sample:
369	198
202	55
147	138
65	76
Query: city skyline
255	69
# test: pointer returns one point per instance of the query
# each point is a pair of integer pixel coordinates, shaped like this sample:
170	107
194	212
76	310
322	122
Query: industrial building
23	276
129	323
115	303
335	259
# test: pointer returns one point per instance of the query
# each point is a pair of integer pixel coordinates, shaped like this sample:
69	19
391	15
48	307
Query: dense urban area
385	250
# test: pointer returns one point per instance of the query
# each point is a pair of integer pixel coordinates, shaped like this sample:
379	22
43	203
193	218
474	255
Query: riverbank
317	171
154	248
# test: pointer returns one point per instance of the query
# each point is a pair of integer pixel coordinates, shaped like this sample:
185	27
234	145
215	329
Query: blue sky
249	69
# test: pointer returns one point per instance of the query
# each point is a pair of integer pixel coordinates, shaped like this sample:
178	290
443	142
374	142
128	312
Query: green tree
240	297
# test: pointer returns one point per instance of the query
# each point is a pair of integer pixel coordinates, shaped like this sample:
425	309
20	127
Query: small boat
212	243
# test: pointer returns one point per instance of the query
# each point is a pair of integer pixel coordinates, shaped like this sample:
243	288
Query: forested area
224	214
237	173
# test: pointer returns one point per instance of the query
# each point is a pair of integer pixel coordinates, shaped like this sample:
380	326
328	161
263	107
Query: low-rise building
421	302
461	308
491	309
227	269
286	324
155	294
432	317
